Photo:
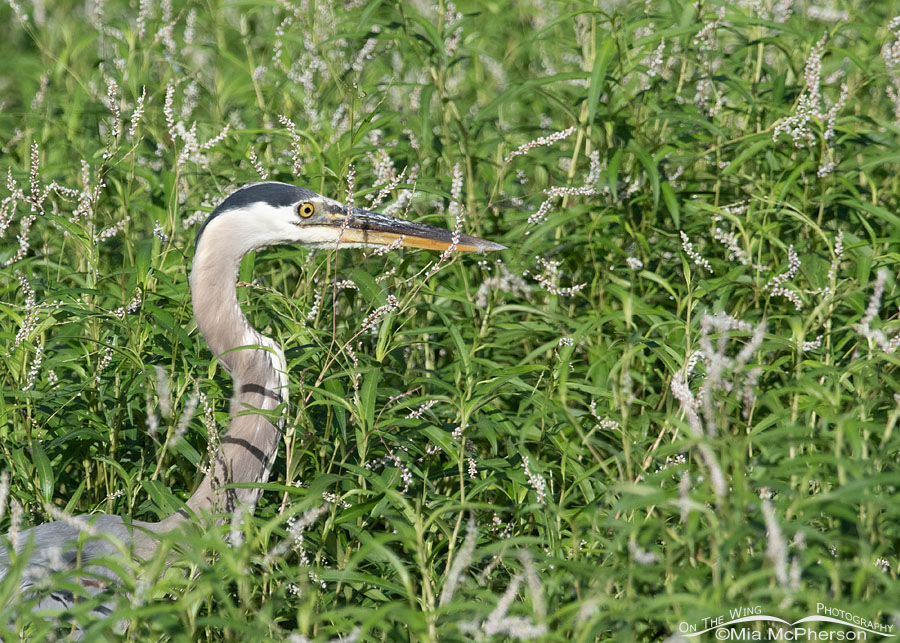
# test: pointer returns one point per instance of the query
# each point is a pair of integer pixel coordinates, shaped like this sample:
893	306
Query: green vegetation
674	394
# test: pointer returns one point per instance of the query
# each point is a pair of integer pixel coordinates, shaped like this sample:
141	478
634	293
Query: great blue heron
252	217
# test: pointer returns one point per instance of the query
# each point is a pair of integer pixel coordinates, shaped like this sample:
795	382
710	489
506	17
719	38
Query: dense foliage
675	391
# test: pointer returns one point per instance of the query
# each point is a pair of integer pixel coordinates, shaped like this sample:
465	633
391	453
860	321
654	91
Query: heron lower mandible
252	217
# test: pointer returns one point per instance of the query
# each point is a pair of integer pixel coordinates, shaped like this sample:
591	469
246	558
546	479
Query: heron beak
365	226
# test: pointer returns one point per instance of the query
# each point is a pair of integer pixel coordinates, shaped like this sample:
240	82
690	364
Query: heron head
272	213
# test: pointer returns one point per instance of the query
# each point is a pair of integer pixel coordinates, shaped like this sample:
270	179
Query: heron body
252	217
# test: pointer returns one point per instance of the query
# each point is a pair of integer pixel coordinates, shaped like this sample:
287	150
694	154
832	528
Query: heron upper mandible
252	217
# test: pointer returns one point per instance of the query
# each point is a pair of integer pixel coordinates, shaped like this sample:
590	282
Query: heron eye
306	210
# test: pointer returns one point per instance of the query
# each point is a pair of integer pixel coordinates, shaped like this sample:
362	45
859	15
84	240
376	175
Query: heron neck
257	367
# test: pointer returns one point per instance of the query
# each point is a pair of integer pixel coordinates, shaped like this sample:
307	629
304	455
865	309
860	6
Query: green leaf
372	293
43	470
463	352
598	75
369	394
671	203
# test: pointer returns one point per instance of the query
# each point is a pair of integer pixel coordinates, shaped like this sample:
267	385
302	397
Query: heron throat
257	366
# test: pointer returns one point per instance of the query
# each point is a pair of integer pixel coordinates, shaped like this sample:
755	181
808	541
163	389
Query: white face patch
318	236
249	228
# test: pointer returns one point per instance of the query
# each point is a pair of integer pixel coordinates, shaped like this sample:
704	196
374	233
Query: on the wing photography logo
751	624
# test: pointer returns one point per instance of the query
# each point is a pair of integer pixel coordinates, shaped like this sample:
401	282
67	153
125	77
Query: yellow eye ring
306	209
